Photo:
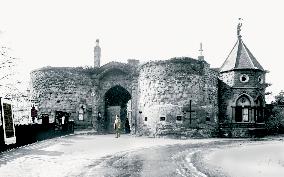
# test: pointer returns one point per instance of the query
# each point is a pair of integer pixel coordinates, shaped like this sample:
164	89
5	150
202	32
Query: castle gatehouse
175	97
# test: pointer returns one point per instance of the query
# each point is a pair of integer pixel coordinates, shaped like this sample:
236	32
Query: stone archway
116	101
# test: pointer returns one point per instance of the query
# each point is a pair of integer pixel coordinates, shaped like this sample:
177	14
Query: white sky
63	32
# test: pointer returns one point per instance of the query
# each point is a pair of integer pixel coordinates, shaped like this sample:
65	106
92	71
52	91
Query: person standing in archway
116	126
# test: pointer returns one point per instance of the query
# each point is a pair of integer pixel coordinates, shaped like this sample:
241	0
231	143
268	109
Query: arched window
81	112
242	111
259	110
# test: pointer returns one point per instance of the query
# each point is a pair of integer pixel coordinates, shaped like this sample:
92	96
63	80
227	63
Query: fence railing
27	134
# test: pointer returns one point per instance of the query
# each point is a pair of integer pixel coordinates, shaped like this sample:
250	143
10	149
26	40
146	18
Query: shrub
274	123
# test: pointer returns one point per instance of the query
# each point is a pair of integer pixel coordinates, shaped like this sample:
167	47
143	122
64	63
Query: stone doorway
116	99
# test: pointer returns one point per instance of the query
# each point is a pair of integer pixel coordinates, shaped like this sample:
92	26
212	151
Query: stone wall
165	82
62	89
227	78
211	91
68	89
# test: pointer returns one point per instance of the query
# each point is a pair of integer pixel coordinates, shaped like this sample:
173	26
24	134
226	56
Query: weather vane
240	24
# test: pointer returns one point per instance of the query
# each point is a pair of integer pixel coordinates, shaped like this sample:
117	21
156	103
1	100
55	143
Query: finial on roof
97	41
200	50
240	24
201	57
97	54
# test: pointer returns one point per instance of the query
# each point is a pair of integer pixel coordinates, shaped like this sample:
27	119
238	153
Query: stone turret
242	88
97	54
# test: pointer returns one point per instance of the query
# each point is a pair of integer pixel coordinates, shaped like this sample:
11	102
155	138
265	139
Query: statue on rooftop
240	24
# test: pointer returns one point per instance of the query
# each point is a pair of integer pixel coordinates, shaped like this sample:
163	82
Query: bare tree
10	85
7	70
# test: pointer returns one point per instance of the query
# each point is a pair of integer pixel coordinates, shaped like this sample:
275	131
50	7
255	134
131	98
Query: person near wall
99	123
116	126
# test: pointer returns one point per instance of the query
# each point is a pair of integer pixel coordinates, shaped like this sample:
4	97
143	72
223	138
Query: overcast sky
63	33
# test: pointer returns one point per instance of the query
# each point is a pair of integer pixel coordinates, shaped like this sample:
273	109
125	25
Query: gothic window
244	78
81	113
242	110
243	101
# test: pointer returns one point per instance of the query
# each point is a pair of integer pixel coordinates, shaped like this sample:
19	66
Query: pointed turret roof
240	57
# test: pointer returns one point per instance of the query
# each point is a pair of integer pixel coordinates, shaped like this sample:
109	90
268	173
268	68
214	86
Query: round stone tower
176	94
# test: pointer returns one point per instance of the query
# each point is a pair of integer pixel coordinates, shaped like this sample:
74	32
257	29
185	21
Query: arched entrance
116	103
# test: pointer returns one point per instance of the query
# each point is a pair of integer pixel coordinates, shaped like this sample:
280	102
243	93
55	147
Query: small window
207	118
244	78
179	118
146	118
81	113
260	79
162	118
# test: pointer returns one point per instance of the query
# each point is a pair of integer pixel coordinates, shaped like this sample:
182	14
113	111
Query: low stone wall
166	129
242	132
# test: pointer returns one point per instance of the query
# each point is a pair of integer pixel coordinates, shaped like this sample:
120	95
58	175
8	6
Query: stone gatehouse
179	97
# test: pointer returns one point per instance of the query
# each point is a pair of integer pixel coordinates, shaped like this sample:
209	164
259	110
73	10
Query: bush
274	123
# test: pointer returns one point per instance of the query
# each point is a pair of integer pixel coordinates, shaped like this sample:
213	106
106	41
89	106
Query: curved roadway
106	156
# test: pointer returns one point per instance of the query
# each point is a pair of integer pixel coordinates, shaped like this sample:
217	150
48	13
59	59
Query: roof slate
240	57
